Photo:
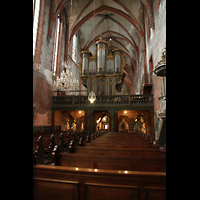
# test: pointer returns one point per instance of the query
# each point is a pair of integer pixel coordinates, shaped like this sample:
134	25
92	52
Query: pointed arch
133	22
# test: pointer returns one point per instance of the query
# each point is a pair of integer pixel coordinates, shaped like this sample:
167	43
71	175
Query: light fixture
79	111
65	82
91	97
125	111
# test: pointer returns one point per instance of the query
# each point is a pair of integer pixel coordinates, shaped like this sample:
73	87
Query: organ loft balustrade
108	102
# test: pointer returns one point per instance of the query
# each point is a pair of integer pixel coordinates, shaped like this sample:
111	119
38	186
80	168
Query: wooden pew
88	138
38	150
72	146
93	136
115	169
133	163
164	149
58	182
121	146
56	156
81	141
58	138
156	144
119	151
105	154
49	144
60	142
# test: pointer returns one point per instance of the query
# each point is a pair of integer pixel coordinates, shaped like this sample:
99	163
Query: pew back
57	182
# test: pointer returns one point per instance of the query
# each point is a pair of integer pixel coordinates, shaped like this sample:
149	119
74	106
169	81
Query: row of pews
45	142
107	166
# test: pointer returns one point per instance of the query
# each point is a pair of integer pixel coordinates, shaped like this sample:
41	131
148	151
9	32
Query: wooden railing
104	99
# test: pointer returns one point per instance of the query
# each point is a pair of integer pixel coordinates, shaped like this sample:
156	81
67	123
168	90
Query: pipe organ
103	70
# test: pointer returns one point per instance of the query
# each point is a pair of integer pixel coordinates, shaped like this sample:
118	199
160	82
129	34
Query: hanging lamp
92	96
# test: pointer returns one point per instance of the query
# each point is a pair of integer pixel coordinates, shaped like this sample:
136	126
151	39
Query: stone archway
123	126
102	120
123	121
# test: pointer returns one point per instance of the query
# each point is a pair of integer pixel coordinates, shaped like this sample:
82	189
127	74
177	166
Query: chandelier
65	82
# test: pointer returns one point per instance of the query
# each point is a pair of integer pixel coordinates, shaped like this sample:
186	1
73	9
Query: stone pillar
116	122
93	122
78	124
87	113
112	124
130	125
152	125
85	126
112	115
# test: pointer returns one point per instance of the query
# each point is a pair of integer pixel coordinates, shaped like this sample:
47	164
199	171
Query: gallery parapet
128	101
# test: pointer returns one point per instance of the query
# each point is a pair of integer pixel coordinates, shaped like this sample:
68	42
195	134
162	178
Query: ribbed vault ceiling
119	22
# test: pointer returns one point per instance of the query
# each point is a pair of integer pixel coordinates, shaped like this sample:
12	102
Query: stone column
112	115
78	124
152	124
87	113
112	124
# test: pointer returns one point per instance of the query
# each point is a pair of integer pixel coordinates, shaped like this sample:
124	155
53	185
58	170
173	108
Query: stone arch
133	22
124	125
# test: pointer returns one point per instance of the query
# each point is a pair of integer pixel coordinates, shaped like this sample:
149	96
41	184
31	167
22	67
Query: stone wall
155	43
42	74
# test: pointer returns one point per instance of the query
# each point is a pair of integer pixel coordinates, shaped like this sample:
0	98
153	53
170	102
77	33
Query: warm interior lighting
65	82
125	111
92	97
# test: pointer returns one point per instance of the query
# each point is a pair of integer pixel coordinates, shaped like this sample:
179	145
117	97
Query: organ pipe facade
103	69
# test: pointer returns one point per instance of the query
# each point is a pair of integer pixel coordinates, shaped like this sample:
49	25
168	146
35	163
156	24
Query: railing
104	99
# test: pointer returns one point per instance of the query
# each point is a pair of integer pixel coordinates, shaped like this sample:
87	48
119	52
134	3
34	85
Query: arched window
36	12
55	45
74	48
